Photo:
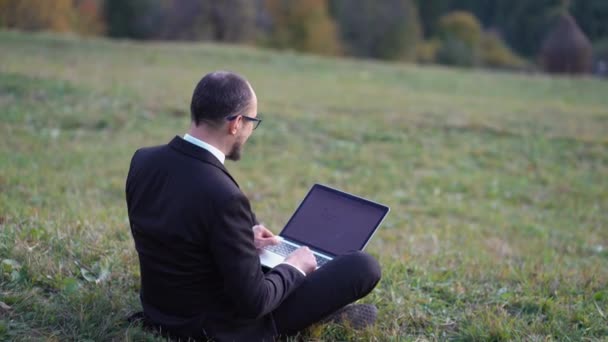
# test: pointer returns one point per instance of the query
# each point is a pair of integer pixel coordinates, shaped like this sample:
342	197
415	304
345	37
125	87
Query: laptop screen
334	222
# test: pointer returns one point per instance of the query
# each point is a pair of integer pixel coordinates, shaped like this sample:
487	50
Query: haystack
566	48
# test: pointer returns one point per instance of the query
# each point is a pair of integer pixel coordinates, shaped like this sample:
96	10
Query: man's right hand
303	259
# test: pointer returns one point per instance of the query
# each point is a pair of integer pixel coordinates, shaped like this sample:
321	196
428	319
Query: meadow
497	183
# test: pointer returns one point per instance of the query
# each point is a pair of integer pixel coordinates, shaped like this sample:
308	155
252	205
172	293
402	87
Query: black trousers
338	283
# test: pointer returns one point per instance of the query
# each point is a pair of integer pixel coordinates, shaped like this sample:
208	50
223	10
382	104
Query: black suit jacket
192	226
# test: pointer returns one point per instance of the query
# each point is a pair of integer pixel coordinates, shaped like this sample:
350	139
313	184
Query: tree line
491	33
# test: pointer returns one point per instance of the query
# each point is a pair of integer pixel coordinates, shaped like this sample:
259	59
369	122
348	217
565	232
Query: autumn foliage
471	33
303	26
80	16
88	18
36	15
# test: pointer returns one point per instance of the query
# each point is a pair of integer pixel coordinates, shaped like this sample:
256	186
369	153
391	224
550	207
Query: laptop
330	222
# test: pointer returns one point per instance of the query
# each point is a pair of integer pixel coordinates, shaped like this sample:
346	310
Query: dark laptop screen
334	222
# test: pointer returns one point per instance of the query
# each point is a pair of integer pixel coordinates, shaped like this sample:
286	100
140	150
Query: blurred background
558	36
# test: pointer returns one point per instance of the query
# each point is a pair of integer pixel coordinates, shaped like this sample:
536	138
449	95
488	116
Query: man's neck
206	143
209	136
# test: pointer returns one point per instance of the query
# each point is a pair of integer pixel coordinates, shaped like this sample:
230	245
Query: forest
568	36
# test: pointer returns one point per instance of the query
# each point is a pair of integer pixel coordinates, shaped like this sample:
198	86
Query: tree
494	53
303	26
233	20
225	21
387	29
430	11
566	49
34	15
185	20
139	19
522	23
88	19
460	25
592	15
460	33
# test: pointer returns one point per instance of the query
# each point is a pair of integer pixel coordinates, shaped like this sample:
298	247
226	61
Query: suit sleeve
129	181
231	243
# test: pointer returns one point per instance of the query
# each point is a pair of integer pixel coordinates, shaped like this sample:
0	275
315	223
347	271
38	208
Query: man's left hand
263	237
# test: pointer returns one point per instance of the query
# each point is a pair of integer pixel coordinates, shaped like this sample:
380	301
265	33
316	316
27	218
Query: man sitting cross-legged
198	240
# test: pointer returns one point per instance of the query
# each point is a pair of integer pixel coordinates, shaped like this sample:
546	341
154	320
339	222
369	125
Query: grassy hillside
498	184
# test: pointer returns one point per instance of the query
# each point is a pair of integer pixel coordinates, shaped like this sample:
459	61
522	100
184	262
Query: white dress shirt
212	149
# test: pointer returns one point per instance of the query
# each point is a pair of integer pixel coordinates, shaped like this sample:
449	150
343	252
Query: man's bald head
218	95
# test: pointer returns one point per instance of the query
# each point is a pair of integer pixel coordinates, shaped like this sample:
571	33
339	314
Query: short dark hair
218	95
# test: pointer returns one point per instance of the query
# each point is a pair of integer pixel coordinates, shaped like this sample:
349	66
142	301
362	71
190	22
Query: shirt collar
212	149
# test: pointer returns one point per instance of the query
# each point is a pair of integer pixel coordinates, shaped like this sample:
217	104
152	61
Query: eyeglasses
256	121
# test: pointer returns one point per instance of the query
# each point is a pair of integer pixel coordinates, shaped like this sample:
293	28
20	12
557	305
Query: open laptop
330	222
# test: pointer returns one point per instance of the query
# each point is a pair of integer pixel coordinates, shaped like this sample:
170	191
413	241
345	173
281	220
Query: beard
235	151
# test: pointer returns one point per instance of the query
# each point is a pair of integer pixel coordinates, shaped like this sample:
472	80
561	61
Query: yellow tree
55	15
303	26
88	19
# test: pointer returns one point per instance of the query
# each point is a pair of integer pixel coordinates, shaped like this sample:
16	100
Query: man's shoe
356	316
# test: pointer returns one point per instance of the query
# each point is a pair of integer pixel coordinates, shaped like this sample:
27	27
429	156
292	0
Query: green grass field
497	183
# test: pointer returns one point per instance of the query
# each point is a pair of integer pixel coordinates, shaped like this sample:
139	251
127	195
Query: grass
498	184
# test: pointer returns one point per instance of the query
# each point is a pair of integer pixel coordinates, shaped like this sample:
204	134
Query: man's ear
235	125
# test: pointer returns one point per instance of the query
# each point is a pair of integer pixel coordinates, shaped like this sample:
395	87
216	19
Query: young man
198	240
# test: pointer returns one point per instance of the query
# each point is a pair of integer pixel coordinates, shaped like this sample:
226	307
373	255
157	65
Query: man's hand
263	237
303	259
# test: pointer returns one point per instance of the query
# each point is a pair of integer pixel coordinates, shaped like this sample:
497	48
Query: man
198	240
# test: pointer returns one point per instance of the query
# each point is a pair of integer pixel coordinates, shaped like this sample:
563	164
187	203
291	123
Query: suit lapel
199	153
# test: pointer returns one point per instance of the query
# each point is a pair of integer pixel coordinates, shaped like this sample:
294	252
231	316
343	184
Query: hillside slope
497	183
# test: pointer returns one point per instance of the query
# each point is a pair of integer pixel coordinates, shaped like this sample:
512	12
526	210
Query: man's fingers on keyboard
263	242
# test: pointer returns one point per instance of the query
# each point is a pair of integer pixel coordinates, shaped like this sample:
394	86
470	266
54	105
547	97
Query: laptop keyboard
321	260
284	249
